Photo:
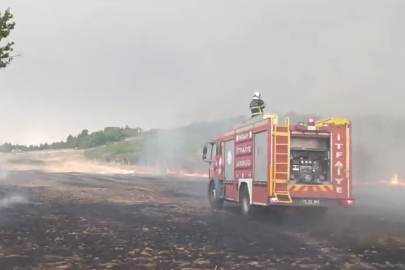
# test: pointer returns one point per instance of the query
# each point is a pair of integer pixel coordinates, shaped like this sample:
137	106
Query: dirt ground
52	219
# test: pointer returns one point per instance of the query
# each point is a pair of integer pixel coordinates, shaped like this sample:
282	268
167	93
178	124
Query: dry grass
58	161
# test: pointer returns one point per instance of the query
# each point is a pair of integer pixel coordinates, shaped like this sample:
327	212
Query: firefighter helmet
256	95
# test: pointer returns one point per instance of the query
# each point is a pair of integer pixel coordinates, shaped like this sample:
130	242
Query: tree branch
6	26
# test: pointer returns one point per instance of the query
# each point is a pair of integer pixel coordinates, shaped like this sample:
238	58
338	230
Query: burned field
82	221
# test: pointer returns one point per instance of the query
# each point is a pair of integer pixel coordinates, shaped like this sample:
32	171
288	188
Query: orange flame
394	181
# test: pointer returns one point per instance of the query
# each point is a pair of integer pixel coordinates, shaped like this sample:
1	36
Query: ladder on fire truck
281	172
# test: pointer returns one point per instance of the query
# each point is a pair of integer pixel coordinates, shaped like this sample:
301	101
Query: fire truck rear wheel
244	201
215	202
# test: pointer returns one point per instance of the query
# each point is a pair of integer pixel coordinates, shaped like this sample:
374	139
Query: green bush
127	151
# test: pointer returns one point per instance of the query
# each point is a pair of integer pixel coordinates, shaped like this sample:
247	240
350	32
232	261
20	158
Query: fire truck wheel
215	202
244	200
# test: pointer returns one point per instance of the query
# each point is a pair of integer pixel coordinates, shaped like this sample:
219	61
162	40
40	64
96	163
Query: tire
215	202
244	200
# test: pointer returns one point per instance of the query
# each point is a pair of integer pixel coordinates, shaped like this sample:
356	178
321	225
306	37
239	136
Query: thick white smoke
12	200
4	169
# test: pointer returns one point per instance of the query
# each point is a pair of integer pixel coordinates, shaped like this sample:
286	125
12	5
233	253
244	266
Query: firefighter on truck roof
257	105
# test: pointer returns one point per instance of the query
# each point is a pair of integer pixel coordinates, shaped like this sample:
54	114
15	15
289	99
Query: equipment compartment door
260	192
229	170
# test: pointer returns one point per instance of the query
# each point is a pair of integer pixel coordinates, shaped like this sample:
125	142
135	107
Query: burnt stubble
89	221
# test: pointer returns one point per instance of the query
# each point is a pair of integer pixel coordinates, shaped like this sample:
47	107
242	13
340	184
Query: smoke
12	200
181	148
8	199
4	169
378	147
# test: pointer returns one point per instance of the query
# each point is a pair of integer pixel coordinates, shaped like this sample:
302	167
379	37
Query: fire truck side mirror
204	156
205	151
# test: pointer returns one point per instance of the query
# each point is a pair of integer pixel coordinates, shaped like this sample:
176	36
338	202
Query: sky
88	64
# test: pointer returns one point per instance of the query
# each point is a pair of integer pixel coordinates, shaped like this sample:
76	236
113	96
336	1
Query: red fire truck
264	163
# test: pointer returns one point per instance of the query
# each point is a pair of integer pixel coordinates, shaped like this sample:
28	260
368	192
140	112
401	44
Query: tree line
83	140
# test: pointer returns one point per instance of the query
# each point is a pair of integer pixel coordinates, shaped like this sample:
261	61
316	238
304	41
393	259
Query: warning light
311	122
347	203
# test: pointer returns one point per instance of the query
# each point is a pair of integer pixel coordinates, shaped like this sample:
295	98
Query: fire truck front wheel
215	201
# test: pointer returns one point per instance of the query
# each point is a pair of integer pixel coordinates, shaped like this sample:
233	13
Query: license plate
310	202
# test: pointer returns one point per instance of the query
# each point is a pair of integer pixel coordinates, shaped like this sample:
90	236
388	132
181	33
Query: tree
85	132
6	26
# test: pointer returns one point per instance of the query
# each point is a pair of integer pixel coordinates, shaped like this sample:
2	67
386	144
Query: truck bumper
317	202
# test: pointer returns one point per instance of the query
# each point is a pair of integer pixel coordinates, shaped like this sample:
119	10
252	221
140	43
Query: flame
394	181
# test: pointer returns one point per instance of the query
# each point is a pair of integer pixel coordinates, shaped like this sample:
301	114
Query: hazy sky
93	63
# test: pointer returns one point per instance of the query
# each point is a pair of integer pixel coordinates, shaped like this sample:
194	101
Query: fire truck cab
264	163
